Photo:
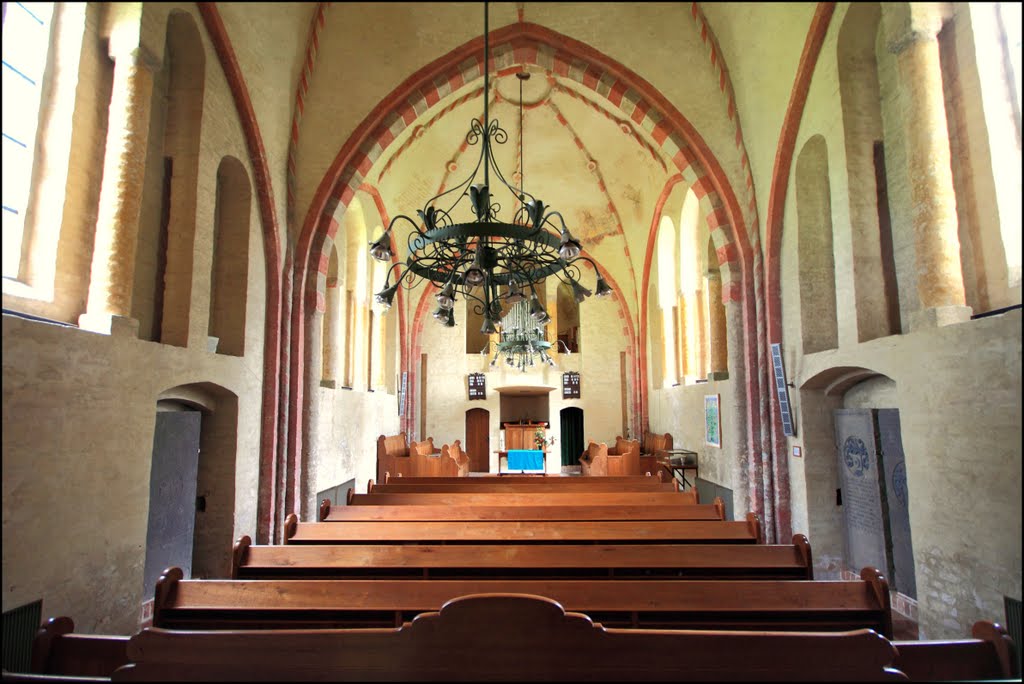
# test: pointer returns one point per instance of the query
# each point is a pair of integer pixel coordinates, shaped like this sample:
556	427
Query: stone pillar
719	351
912	32
332	313
108	308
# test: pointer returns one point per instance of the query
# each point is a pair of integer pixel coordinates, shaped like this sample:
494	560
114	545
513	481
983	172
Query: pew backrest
674	498
525	532
399	513
496	561
58	650
796	605
511	637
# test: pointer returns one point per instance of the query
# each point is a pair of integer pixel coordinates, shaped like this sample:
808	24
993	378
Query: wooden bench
399	513
526	499
396	456
496	561
502	636
783	605
621	459
577	484
527	479
652	451
989	655
58	650
526	532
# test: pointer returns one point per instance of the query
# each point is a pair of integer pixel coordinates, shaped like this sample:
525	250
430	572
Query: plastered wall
957	388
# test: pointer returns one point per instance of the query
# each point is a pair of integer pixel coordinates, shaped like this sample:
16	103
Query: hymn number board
571	385
477	386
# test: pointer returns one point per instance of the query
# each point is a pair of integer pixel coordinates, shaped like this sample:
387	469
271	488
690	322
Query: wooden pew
526	532
525	499
399	513
990	654
395	455
501	636
542	485
600	460
783	605
528	479
497	562
58	650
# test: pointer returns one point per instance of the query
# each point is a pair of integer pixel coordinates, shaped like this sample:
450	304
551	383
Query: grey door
863	521
897	501
172	495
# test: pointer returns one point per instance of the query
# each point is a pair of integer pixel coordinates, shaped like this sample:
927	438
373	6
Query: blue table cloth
525	459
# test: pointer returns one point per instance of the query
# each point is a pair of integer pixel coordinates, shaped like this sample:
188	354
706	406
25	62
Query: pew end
989	655
291	523
880	587
59	654
803	547
240	554
325	509
754	525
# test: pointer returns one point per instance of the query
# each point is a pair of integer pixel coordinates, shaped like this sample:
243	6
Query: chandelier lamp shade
461	245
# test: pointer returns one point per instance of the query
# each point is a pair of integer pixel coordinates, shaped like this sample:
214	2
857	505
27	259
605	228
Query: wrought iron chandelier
494	263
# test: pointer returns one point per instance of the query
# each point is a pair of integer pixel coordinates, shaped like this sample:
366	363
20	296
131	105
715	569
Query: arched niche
817	270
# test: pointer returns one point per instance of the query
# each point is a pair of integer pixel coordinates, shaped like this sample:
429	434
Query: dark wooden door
478	439
172	495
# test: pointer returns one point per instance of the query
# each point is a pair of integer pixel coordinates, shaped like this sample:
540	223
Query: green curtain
572	435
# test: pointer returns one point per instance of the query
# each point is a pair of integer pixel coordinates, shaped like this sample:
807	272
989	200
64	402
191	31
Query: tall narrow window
26	42
353	227
814	248
568	319
329	333
162	302
230	269
690	282
667	288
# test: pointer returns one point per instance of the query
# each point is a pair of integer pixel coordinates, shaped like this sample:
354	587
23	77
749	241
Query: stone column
719	359
912	32
108	308
332	313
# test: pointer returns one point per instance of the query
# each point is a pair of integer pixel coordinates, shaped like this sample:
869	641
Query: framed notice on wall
571	385
477	386
712	421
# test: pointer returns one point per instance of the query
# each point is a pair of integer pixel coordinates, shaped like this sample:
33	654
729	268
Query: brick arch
527	43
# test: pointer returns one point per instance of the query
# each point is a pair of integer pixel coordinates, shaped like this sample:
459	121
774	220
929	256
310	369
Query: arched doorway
478	439
572	435
172	491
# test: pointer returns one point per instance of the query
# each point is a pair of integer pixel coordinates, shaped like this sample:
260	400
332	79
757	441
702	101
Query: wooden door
172	495
478	439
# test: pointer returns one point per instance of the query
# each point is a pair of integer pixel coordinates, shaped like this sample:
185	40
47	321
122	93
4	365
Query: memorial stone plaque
862	505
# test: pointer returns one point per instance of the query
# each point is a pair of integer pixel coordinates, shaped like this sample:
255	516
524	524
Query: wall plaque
477	386
571	385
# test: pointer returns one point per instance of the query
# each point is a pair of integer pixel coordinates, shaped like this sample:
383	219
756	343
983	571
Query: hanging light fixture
486	259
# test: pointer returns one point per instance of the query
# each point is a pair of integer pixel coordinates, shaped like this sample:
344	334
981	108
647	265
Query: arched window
567	319
330	333
692	313
717	350
375	328
473	319
874	269
814	248
229	277
43	49
979	51
26	47
162	289
667	300
356	255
